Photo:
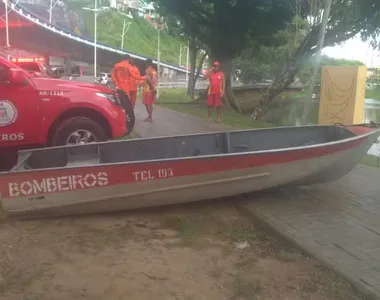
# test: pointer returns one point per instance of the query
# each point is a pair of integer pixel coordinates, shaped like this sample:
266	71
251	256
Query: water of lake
372	113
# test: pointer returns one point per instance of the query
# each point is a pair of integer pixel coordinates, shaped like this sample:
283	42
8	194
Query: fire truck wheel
78	130
130	117
129	111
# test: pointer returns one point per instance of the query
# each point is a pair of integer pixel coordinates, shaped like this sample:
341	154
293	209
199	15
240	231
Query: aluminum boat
122	175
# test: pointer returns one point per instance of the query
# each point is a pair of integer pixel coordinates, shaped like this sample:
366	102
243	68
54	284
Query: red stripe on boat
32	183
359	130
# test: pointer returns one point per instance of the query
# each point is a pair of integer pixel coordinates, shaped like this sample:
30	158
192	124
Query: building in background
142	8
62	16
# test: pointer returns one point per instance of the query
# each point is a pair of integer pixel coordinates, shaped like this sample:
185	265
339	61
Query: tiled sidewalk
338	223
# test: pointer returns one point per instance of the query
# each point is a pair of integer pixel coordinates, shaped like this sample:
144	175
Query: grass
370	160
246	289
174	96
200	230
190	245
133	135
141	37
177	100
289	255
373	93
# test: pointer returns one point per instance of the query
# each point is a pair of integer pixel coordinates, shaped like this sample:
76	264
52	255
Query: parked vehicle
36	110
104	79
120	175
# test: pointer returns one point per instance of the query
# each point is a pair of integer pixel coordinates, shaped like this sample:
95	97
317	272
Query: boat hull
94	189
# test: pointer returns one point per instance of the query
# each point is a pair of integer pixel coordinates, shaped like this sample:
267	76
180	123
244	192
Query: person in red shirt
150	89
124	76
215	90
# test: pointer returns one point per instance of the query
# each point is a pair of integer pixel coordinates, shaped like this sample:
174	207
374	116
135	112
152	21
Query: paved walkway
338	223
168	122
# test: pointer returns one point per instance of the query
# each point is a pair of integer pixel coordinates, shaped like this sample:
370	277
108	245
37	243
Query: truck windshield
36	67
30	67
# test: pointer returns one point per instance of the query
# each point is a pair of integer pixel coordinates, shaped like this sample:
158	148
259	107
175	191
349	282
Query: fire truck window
29	66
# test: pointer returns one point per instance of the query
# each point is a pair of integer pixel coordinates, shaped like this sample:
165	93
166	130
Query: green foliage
225	26
374	79
141	37
373	93
259	62
347	19
305	73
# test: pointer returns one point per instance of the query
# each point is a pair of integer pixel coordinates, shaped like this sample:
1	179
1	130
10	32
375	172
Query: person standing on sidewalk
215	91
134	83
150	89
124	76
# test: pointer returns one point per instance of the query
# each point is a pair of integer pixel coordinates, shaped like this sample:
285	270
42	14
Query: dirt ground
202	251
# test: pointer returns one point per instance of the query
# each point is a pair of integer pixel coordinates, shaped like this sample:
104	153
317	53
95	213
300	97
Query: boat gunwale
374	131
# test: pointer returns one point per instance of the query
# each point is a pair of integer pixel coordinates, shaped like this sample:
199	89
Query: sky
355	49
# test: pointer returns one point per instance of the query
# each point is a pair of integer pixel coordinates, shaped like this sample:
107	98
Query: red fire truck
36	110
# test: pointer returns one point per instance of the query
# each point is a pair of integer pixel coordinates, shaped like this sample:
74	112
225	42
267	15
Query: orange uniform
124	77
134	83
149	94
216	88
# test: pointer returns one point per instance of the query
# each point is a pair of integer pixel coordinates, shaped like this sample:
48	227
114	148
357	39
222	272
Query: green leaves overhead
226	26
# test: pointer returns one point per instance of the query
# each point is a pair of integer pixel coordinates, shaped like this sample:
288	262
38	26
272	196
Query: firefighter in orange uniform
124	76
150	89
135	83
215	91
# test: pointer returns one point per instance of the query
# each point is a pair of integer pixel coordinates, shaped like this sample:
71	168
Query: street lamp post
6	22
126	26
158	60
159	27
7	48
187	60
187	64
321	39
181	53
95	10
50	10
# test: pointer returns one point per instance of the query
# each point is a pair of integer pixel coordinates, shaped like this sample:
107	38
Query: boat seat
82	156
227	143
242	148
197	152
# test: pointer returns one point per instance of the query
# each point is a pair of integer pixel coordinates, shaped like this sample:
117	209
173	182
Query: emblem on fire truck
8	113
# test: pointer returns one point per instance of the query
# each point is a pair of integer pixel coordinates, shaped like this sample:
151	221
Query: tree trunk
287	74
193	50
282	81
192	84
229	97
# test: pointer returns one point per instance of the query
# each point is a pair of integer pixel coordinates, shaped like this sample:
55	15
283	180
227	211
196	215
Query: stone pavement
338	223
168	122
